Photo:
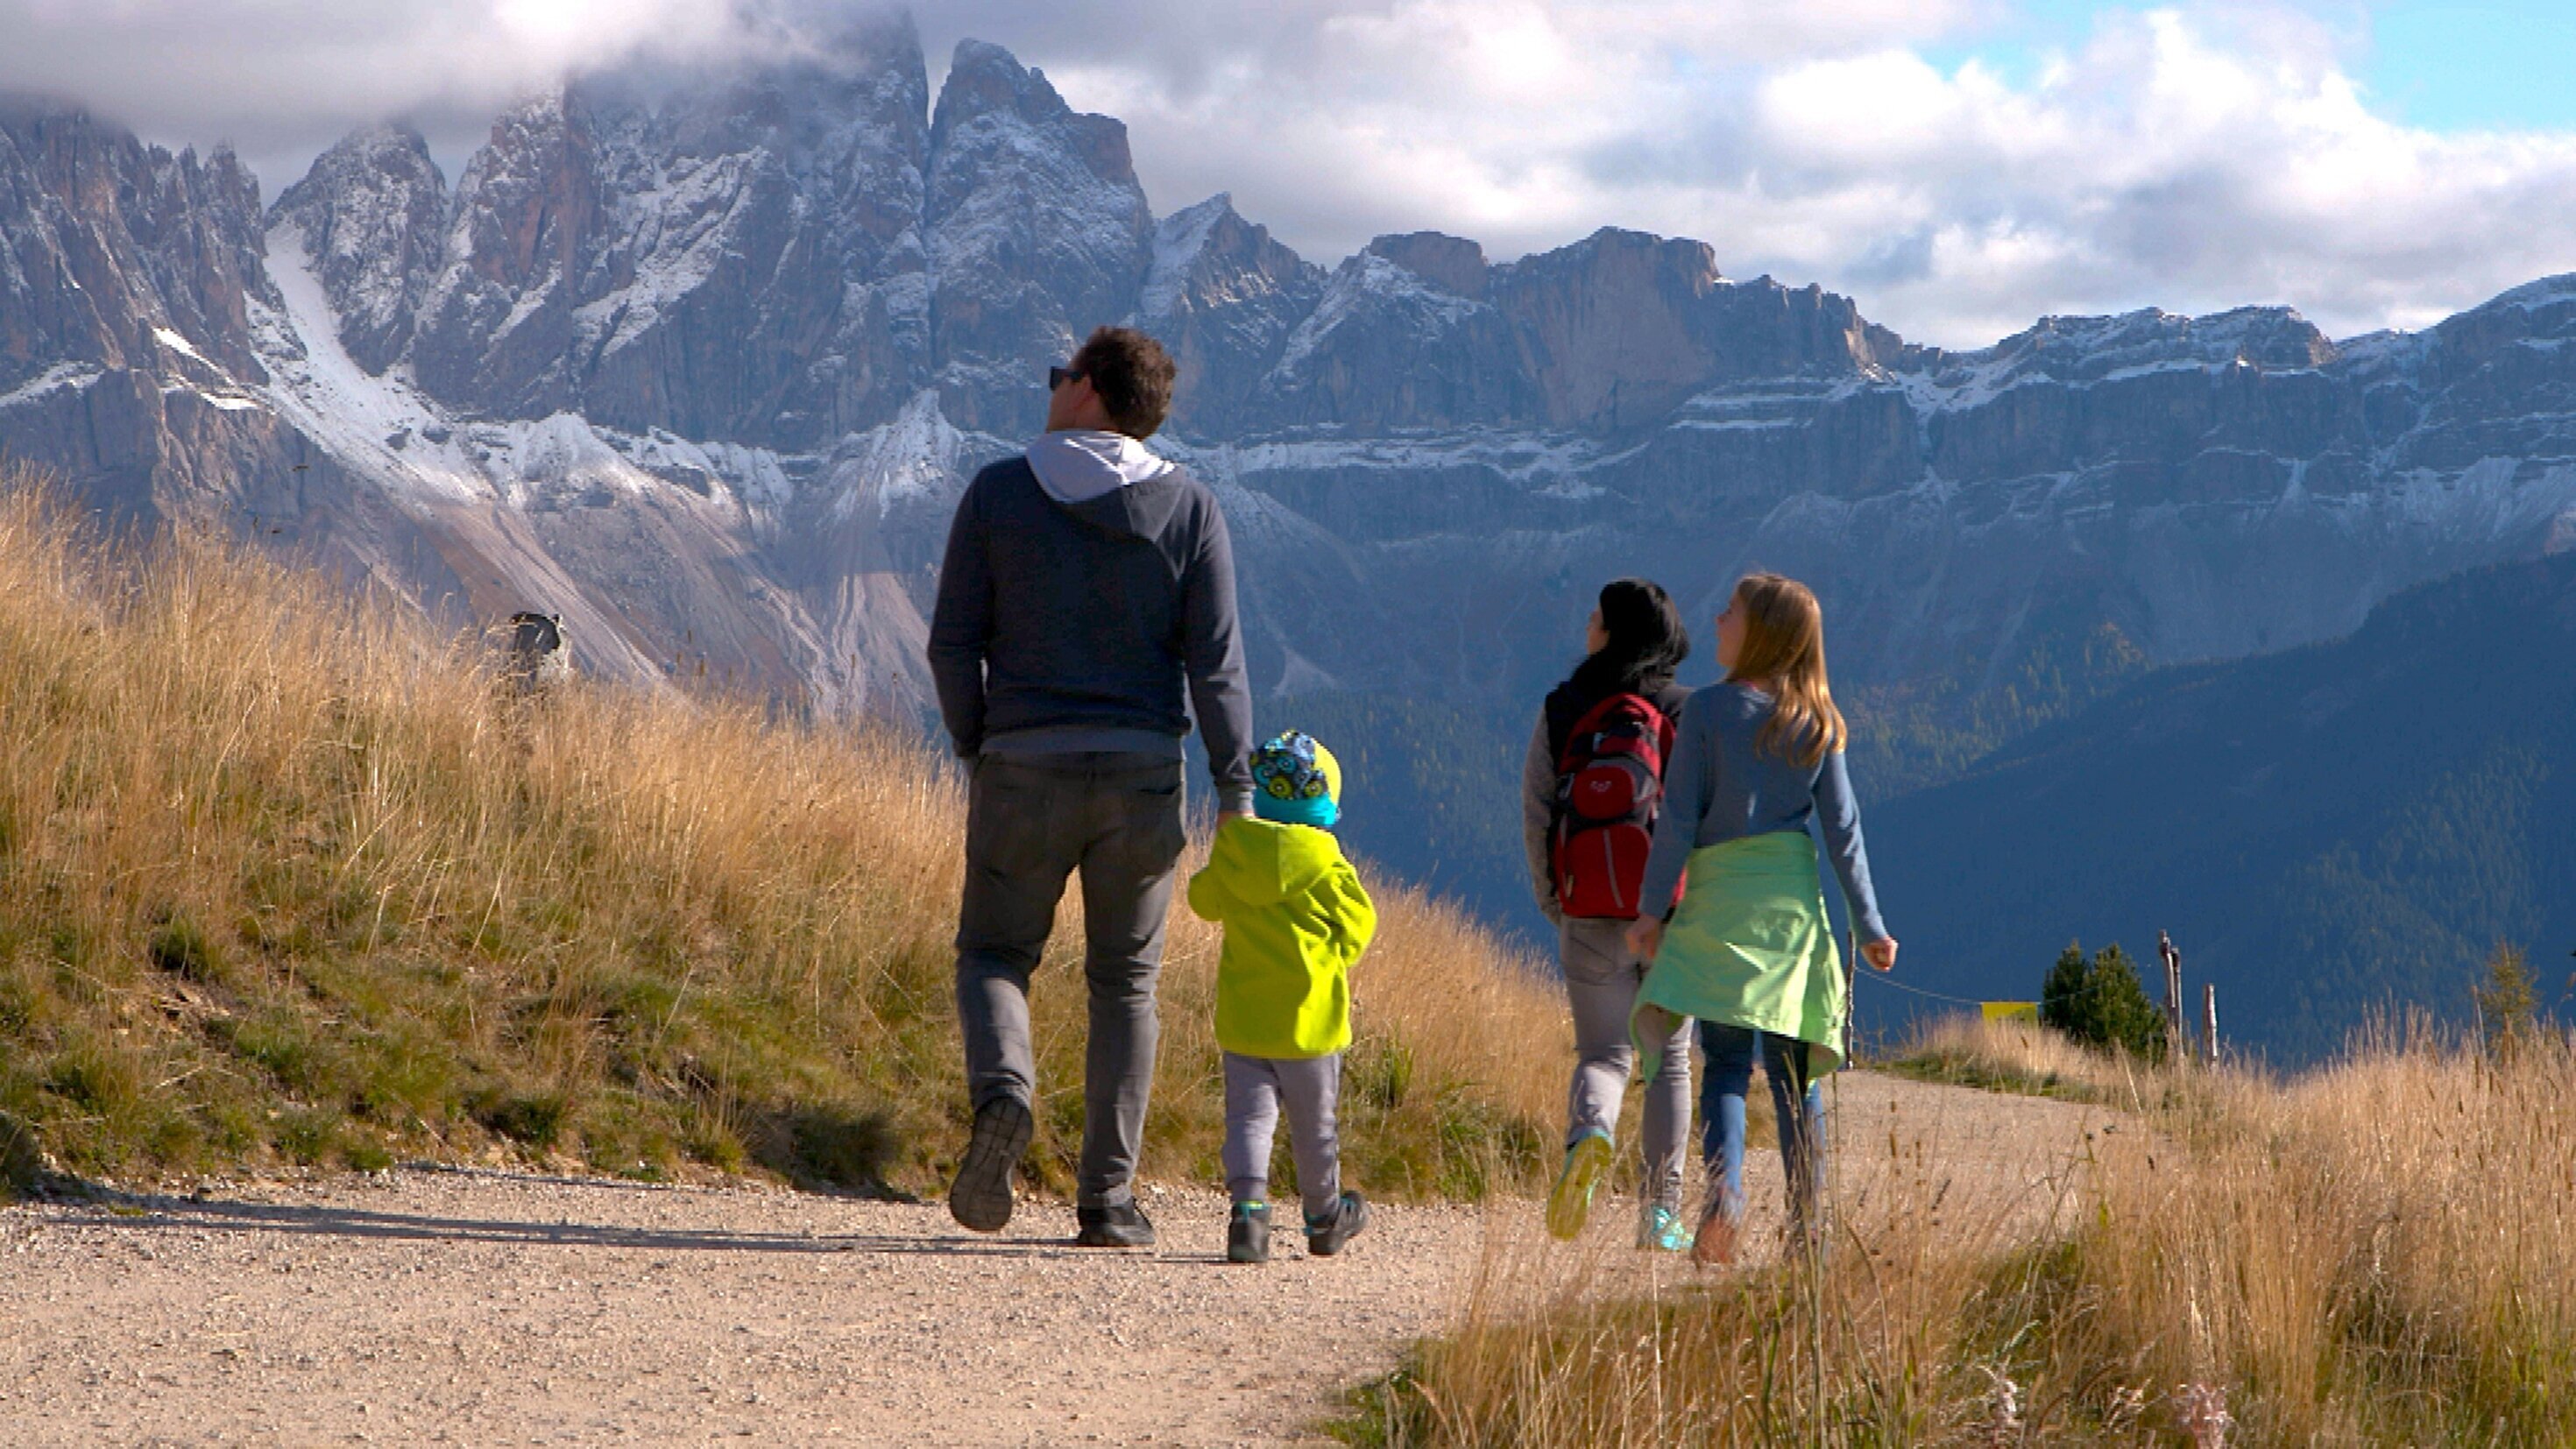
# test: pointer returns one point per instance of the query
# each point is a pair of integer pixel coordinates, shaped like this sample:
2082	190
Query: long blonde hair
1784	644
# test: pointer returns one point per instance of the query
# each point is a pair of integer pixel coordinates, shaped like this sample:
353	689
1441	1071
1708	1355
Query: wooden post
2209	1022
2175	1041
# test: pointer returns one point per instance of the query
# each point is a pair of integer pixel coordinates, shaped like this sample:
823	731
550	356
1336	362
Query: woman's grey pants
1602	977
1256	1088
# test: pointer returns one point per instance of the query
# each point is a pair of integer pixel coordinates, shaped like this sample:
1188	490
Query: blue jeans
1727	1078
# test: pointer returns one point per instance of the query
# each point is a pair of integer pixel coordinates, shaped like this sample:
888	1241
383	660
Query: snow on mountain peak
1179	239
373	210
984	79
1453	264
1035	229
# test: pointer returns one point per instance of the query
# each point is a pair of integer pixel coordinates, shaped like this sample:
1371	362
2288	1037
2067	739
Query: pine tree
2508	1000
2101	1003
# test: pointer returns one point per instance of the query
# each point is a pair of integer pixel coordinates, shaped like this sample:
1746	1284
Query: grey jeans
1310	1088
1030	823
1602	977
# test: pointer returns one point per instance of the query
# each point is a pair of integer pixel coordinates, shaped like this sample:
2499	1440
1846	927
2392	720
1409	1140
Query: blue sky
1959	167
2456	67
2444	66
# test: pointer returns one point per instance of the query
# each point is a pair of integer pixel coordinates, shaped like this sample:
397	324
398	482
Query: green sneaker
1586	1163
1662	1230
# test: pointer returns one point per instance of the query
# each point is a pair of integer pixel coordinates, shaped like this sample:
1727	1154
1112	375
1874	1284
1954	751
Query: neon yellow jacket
1295	918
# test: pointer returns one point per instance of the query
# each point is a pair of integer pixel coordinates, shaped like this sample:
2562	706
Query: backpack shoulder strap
1656	721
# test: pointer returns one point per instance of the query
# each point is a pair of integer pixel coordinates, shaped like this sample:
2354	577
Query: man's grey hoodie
1087	604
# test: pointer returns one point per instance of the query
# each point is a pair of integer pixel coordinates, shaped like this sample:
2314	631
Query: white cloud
283	78
2194	159
2156	165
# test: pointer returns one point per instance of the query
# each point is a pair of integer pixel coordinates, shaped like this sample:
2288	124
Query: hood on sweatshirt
1261	863
1108	480
1078	465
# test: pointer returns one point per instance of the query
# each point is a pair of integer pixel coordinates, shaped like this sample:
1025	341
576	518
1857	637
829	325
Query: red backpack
1609	786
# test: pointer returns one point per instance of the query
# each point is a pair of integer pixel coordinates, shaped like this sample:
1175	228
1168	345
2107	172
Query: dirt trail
481	1308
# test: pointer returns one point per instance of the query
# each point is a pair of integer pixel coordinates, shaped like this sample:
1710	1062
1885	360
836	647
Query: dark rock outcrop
727	256
1223	296
1036	230
372	214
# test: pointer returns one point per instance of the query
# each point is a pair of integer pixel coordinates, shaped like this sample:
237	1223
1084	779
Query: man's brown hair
1133	375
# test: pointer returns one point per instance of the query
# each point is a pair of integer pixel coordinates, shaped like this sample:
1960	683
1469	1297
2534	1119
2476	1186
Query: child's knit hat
1296	781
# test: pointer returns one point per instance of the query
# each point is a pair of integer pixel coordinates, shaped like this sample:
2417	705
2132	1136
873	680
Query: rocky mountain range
701	358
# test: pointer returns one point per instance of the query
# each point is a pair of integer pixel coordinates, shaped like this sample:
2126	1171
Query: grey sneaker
1121	1226
1247	1233
980	1198
1326	1235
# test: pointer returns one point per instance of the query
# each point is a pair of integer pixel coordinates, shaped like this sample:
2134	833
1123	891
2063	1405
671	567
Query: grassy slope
282	879
2022	1057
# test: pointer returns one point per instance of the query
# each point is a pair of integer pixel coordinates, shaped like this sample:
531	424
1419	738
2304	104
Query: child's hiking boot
1247	1233
1587	1162
1120	1225
1326	1235
980	1198
1663	1230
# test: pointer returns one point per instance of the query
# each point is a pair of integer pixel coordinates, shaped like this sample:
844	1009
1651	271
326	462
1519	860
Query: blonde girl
1749	951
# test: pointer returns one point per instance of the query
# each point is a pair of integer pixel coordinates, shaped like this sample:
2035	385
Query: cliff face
128	277
1037	231
373	217
703	359
1224	297
734	256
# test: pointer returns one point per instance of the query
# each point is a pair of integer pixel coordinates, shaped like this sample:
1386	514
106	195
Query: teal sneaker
1662	1230
1587	1162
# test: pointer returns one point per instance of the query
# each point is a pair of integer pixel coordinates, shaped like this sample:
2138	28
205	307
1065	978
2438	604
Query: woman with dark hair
1589	795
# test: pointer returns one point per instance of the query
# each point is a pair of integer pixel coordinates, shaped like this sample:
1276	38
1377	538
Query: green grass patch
1984	1076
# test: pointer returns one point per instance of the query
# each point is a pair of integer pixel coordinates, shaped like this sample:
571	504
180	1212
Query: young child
1295	919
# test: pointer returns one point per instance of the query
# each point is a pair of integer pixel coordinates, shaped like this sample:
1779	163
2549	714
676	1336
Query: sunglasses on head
1059	376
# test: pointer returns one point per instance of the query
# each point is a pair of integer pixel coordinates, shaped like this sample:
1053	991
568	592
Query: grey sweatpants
1030	823
1310	1088
1602	977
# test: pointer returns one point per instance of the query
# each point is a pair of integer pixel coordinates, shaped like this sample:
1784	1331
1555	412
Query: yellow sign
2011	1010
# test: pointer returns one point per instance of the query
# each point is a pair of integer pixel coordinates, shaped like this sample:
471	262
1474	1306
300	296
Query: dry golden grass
2020	1056
2379	1253
2383	1252
285	878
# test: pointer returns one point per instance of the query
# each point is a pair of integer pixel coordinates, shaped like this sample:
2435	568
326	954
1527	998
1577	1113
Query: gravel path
487	1308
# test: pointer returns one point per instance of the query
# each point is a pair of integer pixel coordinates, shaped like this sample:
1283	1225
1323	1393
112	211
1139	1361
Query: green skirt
1751	946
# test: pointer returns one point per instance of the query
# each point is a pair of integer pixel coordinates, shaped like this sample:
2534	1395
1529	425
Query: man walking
1086	611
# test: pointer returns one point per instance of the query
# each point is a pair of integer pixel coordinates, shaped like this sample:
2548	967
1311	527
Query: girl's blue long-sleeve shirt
1719	787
